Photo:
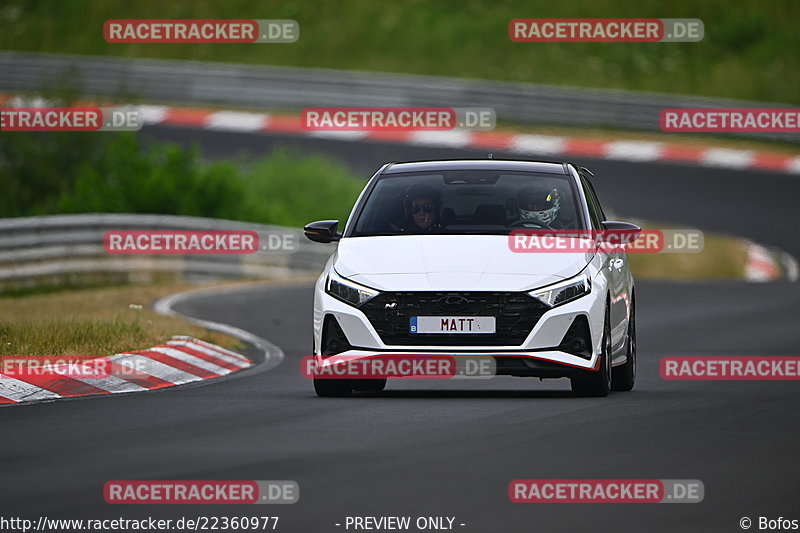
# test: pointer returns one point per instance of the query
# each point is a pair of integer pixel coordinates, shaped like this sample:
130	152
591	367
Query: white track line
273	355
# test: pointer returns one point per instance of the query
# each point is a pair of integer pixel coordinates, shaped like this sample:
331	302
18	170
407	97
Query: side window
595	212
596	200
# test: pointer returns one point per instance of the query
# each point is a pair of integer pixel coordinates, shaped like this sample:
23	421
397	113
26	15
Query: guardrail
59	247
267	87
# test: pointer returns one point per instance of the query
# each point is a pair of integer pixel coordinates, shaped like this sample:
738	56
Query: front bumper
537	355
543	364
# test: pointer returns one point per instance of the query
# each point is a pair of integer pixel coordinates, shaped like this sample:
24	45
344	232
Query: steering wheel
392	225
524	222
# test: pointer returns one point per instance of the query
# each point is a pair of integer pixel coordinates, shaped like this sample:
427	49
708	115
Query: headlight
348	291
564	291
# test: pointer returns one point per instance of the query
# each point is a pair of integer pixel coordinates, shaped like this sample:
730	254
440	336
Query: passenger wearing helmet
539	204
423	206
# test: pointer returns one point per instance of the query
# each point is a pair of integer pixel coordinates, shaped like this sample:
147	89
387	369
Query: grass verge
93	322
722	258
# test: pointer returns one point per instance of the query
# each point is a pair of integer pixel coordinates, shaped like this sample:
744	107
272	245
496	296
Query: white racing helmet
538	203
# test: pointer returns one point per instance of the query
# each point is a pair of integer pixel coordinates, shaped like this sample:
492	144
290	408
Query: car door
615	265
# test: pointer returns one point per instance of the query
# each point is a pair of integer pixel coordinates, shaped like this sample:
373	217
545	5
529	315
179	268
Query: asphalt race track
438	448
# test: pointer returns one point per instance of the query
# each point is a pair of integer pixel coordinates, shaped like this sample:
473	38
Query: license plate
452	324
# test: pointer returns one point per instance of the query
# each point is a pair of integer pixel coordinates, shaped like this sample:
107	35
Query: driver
539	204
423	205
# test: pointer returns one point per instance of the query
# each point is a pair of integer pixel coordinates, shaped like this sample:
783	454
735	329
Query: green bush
54	173
292	190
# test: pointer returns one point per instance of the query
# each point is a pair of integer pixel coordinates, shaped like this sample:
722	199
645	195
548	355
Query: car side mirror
620	232
323	231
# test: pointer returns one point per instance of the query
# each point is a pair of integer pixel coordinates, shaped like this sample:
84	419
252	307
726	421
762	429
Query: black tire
333	388
625	375
369	385
599	383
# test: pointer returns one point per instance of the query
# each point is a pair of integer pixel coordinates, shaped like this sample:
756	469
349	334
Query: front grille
515	315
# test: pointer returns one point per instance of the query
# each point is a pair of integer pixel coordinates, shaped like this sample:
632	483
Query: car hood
450	263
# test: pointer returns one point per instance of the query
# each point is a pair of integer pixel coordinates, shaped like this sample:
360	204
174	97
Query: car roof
545	167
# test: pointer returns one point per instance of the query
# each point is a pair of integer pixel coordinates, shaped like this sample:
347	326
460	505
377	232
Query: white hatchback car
427	245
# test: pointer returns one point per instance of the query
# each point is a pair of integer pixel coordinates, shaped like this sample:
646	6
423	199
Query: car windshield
468	202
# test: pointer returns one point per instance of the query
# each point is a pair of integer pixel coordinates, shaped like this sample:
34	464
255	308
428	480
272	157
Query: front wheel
369	385
625	375
333	388
599	383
